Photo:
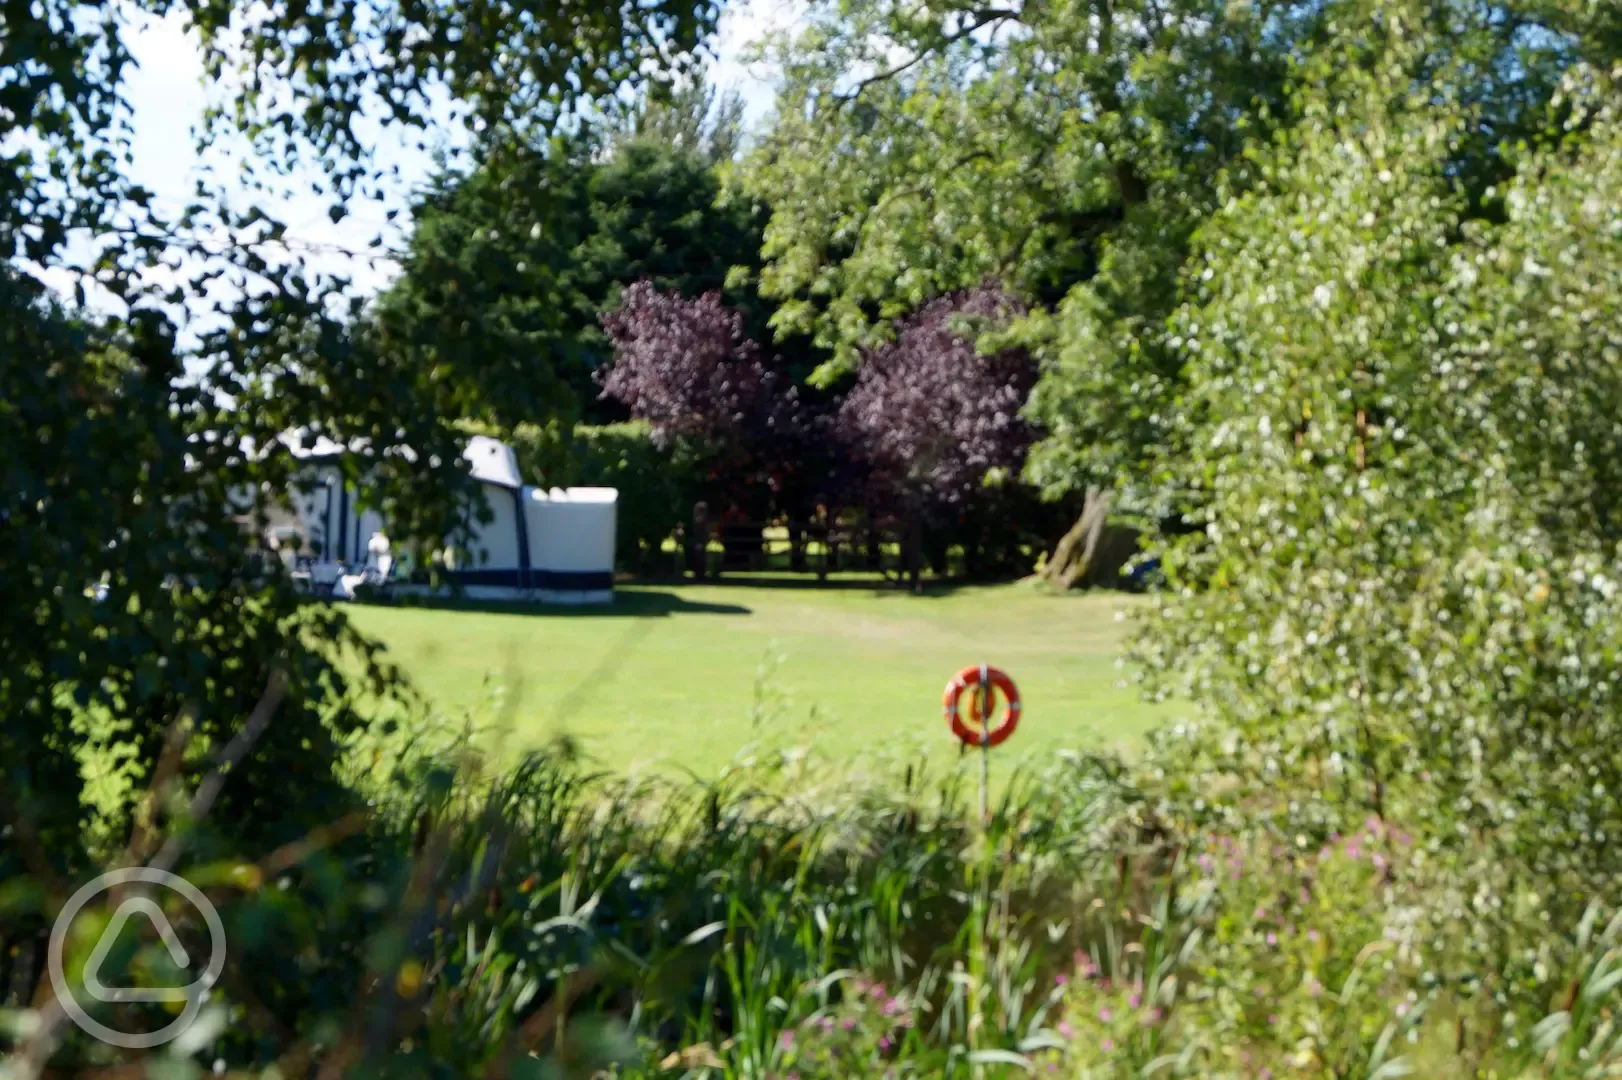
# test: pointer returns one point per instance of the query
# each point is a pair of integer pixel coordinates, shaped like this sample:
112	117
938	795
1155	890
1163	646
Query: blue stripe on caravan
581	580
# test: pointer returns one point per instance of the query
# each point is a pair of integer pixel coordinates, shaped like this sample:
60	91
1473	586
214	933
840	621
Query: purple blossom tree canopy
688	369
930	415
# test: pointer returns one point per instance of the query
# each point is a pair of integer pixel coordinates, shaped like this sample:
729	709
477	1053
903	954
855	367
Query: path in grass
687	675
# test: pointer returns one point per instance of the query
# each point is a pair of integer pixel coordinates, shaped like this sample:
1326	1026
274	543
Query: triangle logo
141	905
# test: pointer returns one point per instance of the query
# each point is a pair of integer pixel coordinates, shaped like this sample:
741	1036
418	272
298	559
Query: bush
657	488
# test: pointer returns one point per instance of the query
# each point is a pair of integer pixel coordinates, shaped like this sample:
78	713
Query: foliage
688	369
480	286
784	919
144	625
933	419
1403	597
511	263
693	118
129	612
910	158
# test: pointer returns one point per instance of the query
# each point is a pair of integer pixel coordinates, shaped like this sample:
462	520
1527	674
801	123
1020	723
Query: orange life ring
971	729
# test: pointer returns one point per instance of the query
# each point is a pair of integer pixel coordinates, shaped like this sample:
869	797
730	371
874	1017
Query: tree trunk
1074	553
698	555
914	554
796	549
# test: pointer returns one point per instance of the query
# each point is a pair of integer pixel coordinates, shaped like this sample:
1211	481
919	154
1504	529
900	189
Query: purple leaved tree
687	368
931	417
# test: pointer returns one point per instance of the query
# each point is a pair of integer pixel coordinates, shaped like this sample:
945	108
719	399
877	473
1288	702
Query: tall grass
792	920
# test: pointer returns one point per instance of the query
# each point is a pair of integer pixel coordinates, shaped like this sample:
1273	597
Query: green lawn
687	675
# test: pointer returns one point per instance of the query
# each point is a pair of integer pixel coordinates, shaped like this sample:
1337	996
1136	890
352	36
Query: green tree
696	117
1070	150
123	476
1400	425
517	260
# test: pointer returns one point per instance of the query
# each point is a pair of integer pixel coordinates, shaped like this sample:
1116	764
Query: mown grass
687	675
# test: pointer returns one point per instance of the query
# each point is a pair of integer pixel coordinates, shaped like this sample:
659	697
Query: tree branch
980	20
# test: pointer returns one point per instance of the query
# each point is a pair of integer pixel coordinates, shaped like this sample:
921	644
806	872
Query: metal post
983	699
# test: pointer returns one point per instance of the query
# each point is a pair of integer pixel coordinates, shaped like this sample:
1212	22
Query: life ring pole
983	698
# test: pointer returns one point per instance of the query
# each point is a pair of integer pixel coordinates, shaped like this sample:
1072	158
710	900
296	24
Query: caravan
554	546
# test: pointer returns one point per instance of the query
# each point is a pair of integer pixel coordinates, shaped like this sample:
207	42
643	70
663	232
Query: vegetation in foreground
788	921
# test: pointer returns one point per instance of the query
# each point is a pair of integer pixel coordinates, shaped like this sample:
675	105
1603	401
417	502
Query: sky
167	95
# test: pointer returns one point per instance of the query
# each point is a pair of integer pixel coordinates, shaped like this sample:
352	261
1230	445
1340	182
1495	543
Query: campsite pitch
686	676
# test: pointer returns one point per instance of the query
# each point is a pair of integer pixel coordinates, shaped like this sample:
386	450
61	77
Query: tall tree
519	257
695	117
933	419
1071	149
126	476
690	370
1403	596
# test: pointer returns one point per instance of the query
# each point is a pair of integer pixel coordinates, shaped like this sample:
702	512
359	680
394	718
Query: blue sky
167	94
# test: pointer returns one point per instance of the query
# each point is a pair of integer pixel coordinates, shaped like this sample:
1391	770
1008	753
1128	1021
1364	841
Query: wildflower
1156	1014
1273	1019
1066	1030
847	1023
785	1040
1134	1000
1104	1014
1108	1045
884	1042
1312	935
1272	938
1060	979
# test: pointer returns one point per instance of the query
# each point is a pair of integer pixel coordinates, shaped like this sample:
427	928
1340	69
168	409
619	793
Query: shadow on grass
641	603
874	584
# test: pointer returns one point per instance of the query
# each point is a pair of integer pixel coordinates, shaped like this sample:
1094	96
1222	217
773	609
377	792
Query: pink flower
1312	935
1108	1045
1060	979
847	1023
1066	1030
1135	1000
884	1042
1155	1015
1272	1019
1272	938
786	1040
1104	1014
